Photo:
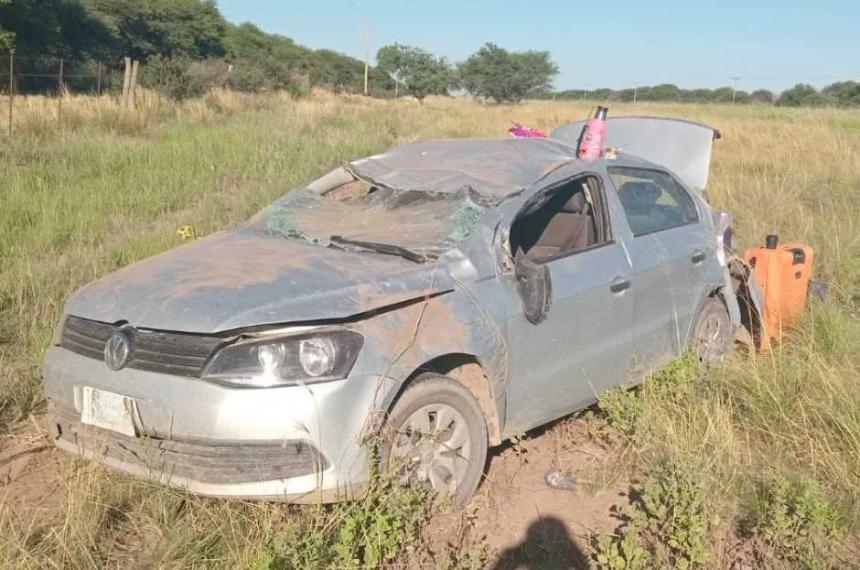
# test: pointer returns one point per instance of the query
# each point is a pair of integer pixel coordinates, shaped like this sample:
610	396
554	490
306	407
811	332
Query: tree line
839	94
185	47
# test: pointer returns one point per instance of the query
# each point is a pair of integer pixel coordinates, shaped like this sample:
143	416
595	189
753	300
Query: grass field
759	464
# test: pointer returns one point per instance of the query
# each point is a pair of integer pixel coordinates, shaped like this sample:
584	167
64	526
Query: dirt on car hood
244	278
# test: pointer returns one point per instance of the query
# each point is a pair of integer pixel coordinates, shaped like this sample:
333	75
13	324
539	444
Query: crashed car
434	299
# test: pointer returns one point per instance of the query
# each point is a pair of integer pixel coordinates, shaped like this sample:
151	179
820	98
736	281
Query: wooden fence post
126	81
132	89
11	87
60	94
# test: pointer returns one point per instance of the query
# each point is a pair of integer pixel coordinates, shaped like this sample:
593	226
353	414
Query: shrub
181	78
666	521
797	521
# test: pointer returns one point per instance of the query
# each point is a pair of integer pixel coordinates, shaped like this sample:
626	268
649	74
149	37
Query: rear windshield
421	222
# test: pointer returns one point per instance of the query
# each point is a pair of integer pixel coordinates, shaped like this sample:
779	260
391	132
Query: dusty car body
257	362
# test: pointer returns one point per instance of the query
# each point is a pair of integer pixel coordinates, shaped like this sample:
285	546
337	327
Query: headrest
577	204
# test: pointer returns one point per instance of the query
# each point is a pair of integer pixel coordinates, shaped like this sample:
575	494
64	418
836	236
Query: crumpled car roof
494	168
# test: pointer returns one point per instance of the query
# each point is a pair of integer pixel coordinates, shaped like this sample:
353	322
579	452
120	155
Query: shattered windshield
359	215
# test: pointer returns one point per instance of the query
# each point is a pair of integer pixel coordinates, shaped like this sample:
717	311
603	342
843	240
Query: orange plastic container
783	273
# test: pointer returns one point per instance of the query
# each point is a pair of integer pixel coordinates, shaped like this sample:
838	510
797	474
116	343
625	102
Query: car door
668	252
581	346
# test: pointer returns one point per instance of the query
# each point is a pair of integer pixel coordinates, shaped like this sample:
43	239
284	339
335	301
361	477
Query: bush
666	522
180	78
797	521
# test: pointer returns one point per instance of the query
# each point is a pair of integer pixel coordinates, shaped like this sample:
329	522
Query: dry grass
108	186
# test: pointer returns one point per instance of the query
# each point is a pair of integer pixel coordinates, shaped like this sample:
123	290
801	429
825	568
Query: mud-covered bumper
297	443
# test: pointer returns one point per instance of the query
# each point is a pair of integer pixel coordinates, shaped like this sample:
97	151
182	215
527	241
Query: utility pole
635	93
366	53
734	87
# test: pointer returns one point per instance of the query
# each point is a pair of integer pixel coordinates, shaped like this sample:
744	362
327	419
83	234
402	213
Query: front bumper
297	443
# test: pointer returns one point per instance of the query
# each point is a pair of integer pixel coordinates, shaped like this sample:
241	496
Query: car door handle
698	256
619	285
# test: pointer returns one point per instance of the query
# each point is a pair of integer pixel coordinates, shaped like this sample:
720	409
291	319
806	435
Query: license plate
109	411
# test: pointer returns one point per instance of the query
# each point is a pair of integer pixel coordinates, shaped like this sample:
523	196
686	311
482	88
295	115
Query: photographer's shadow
547	545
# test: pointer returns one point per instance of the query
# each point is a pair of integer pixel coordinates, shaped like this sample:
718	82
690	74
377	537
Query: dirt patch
30	473
521	522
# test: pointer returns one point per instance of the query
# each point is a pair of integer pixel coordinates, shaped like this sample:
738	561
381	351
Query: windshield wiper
385	248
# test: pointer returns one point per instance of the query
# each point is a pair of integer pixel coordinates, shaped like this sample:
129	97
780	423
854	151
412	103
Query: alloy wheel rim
432	448
710	339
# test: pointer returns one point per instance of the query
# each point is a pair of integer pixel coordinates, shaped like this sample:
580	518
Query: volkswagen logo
117	349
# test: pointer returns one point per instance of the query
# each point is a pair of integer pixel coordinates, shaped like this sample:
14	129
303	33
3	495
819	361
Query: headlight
286	360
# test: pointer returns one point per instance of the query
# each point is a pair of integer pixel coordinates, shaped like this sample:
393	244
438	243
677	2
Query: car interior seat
565	223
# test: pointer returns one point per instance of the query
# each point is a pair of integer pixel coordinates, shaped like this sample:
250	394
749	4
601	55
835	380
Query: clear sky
770	44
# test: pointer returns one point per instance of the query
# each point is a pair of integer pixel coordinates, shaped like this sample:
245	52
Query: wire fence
53	77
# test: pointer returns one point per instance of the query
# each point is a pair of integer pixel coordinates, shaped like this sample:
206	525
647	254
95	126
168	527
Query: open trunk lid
684	147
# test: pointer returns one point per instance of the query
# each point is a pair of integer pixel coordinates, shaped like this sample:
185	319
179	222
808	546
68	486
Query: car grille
169	353
208	462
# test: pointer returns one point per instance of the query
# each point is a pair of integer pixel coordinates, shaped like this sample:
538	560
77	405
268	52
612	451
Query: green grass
772	441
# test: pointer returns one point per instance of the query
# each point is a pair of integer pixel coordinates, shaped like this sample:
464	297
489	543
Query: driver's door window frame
600	207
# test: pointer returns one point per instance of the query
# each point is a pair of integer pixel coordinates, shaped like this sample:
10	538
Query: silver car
436	298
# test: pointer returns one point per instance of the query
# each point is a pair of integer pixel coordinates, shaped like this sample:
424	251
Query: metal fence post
11	87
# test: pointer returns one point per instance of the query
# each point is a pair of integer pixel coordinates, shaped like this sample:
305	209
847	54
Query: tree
420	72
800	95
664	92
763	96
505	76
53	29
7	38
843	93
170	28
192	29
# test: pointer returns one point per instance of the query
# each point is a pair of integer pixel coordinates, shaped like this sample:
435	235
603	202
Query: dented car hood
244	278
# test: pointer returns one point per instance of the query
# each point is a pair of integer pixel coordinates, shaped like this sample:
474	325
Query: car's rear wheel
436	437
712	334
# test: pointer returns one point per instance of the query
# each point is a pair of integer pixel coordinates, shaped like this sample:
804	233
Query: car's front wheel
712	334
436	436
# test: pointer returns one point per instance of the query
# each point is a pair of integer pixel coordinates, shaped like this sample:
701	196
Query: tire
448	458
712	336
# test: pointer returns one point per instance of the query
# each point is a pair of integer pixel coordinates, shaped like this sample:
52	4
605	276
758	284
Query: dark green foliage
419	71
181	78
54	28
666	521
186	39
795	519
496	73
843	93
170	28
7	38
801	95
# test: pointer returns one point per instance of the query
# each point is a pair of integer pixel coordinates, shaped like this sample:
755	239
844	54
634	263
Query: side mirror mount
535	288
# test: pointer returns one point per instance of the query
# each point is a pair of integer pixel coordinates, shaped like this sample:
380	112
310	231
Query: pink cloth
522	131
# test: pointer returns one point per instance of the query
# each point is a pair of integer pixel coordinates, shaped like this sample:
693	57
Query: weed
795	519
368	533
624	409
665	520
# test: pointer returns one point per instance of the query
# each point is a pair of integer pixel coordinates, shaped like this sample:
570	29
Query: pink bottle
593	136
